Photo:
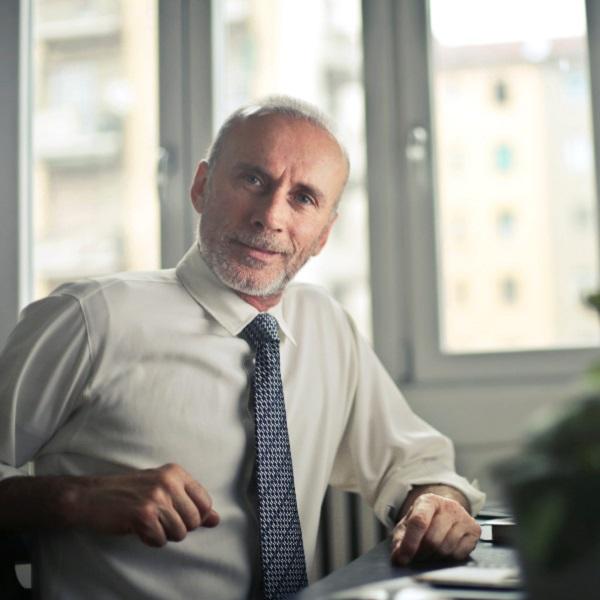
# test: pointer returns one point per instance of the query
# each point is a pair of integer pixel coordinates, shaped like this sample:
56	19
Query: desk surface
375	566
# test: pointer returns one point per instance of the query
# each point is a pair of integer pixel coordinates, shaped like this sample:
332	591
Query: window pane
95	135
311	50
515	168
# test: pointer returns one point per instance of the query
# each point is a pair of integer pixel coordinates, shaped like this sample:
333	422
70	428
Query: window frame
401	188
14	151
185	114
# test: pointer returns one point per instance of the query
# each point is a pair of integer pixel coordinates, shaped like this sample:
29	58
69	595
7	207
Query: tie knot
261	330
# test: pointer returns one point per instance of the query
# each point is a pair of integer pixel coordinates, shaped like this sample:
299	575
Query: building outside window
505	224
95	139
503	157
501	92
543	153
509	291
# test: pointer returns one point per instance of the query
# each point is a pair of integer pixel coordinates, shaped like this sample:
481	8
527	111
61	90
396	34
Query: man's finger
450	543
172	524
435	535
188	511
148	528
416	523
212	519
153	537
398	533
465	546
203	502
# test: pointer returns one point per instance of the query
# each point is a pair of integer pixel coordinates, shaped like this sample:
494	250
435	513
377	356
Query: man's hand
157	505
434	526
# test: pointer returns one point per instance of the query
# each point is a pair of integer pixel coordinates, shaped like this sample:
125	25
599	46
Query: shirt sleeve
387	449
43	369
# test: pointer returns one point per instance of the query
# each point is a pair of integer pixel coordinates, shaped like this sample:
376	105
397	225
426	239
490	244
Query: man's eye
252	180
305	199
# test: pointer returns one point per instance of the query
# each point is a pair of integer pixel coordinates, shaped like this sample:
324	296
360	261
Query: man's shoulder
307	301
301	292
117	284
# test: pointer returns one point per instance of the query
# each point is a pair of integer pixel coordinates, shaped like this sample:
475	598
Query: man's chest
183	398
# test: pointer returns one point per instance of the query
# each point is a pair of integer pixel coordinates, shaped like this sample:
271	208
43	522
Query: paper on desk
501	577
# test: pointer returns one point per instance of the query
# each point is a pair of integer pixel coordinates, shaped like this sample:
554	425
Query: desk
375	566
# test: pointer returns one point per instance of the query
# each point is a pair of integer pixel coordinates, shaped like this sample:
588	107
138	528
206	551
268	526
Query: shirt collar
220	301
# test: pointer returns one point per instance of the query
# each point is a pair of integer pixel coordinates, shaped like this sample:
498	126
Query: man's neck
261	303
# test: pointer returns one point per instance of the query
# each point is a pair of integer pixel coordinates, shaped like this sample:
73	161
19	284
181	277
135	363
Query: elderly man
205	409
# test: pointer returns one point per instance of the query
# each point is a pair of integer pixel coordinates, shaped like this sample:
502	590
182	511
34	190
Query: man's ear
323	237
199	186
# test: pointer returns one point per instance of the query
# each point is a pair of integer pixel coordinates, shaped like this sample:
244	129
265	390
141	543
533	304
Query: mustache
262	241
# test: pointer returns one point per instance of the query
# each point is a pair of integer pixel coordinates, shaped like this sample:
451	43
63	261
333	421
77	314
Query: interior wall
489	423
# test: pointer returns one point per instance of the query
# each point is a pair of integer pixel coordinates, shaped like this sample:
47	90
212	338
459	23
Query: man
131	395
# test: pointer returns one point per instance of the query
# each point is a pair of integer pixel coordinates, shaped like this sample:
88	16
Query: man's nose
270	210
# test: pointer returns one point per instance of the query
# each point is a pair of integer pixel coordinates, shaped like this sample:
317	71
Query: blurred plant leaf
592	374
593	301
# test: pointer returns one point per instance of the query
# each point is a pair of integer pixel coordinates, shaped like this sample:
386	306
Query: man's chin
252	283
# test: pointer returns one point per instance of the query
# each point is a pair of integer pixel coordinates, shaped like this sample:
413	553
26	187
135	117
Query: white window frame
403	253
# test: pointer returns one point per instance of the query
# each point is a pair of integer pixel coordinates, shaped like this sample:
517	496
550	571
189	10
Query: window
577	155
94	118
509	291
575	81
459	229
505	224
581	218
461	293
503	157
456	160
520	111
500	92
554	150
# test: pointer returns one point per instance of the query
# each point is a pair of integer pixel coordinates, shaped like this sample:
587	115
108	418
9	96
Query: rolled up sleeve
387	449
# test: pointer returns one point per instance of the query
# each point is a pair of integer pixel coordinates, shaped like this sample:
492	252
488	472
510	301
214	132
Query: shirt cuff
392	497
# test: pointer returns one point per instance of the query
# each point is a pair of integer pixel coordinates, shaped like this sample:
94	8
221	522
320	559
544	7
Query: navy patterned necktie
282	551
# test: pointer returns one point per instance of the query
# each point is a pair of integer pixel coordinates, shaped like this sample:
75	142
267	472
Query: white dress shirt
136	370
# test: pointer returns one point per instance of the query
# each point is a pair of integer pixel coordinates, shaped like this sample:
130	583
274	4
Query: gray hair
285	106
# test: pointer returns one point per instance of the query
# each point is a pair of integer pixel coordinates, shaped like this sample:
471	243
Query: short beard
221	265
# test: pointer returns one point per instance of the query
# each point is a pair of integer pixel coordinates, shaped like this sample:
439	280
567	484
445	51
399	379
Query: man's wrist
439	489
71	496
42	502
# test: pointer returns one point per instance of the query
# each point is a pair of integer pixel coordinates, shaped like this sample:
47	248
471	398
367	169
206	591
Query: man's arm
157	505
44	369
435	522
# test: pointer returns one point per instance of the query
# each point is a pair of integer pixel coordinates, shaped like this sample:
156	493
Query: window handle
416	144
417	157
163	165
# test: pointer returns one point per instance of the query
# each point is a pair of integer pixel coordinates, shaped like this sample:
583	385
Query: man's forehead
277	144
264	133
